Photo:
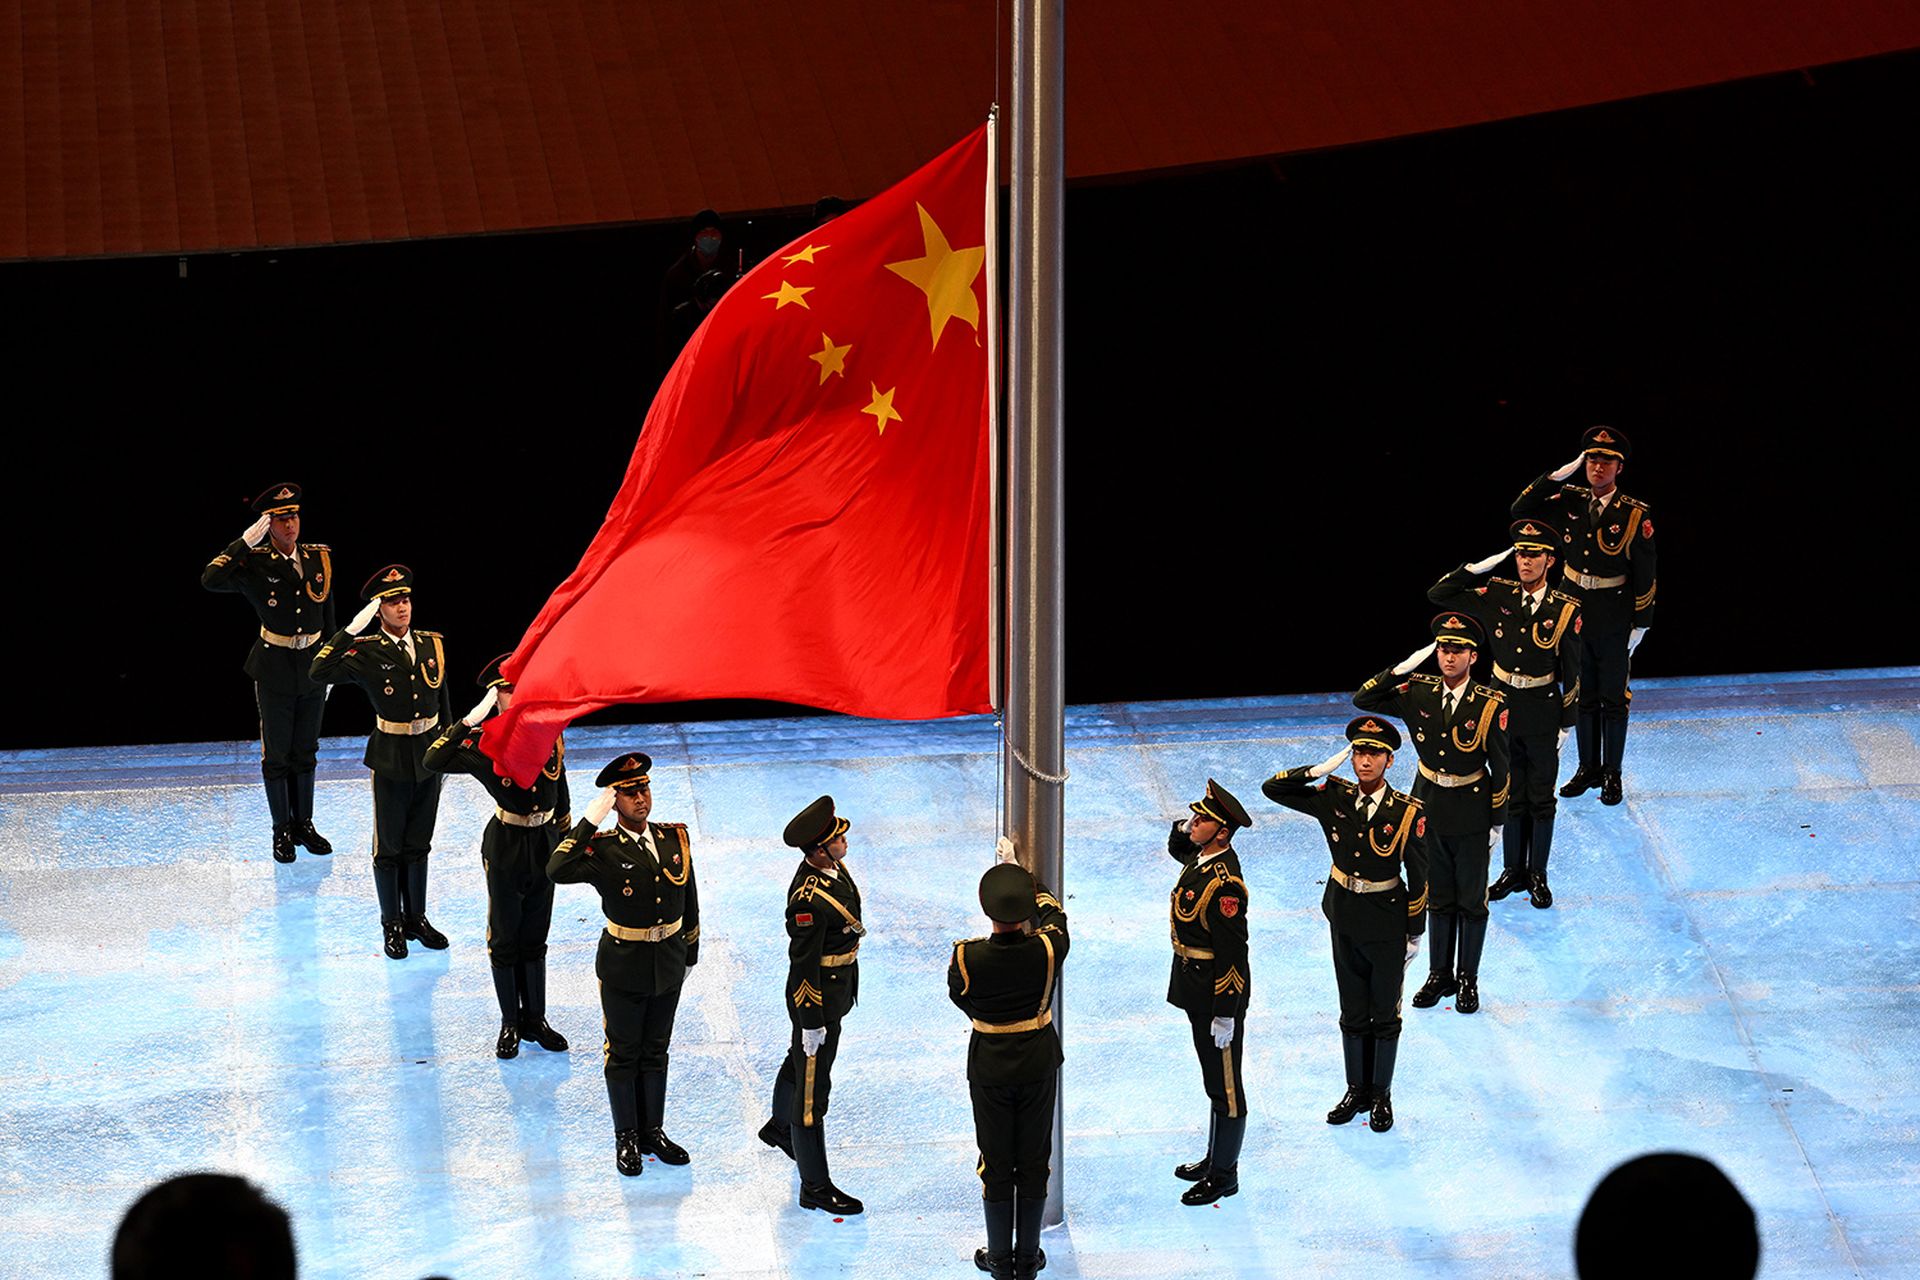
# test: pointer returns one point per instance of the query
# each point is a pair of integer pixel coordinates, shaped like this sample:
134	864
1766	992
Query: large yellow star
790	293
945	275
882	406
830	358
805	255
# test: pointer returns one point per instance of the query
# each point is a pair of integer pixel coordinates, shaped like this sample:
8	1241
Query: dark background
1298	391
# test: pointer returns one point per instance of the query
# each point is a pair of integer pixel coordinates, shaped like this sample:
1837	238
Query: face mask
707	243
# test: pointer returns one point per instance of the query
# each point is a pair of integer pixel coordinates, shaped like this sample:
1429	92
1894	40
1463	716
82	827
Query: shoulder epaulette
1561	596
672	826
1502	582
1493	695
315	546
1345	784
1407	800
1422	678
260	550
965	941
1576	488
431	635
1625	501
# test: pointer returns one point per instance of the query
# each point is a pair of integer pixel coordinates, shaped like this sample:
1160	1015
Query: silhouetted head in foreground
210	1225
1667	1214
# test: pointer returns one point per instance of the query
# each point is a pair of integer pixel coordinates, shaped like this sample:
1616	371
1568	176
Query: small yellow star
945	275
789	293
830	358
805	255
882	406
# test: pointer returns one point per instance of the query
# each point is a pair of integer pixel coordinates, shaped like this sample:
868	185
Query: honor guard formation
1552	646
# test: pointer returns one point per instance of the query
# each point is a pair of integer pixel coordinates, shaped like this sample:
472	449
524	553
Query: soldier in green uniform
1212	980
1533	635
643	872
823	983
289	583
1608	565
1005	983
527	823
404	675
1375	902
1459	730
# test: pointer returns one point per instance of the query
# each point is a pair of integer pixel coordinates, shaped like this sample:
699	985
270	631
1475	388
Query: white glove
1222	1032
257	531
1331	763
600	806
364	617
1634	637
1414	659
1482	566
1413	949
1571	467
1493	837
482	707
811	1038
1003	850
1561	741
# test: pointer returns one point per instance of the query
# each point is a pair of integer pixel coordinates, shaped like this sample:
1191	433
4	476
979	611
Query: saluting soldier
823	984
1375	902
527	823
1005	983
644	874
1609	567
1212	980
1459	731
289	583
404	674
1533	637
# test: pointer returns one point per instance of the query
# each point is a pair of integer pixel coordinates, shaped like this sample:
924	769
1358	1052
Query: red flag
805	515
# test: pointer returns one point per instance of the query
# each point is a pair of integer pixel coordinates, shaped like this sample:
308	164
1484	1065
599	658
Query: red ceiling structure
181	126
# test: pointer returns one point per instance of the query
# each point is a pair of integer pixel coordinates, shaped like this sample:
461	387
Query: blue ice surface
1731	968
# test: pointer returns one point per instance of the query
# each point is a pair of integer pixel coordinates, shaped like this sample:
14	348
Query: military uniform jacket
1392	846
1545	650
457	750
1008	980
288	602
1476	741
400	690
1207	914
823	937
637	892
1621	546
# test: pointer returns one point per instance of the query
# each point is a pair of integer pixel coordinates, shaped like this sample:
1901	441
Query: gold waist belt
1008	1028
407	728
1190	953
299	640
1515	680
1588	582
839	958
538	818
1357	885
659	932
1440	779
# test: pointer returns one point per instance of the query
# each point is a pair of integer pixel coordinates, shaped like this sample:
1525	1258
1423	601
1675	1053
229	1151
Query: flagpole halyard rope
1032	770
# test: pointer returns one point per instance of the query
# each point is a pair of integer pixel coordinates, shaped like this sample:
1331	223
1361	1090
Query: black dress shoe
1212	1187
1352	1104
829	1197
1194	1170
781	1139
1580	783
312	840
659	1144
1468	1001
282	844
1380	1119
421	930
544	1036
1538	893
508	1045
999	1266
626	1152
1510	881
396	936
1436	986
1610	787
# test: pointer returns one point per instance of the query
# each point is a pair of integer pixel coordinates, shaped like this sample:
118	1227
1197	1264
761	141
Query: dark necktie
1448	704
1593	513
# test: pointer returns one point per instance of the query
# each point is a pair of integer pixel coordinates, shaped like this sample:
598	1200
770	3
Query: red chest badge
1503	723
1420	827
1229	907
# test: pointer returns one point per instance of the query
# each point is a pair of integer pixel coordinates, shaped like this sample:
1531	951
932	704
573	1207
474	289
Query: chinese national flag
805	515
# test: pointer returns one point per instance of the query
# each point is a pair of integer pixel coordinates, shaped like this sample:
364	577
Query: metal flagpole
1034	768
